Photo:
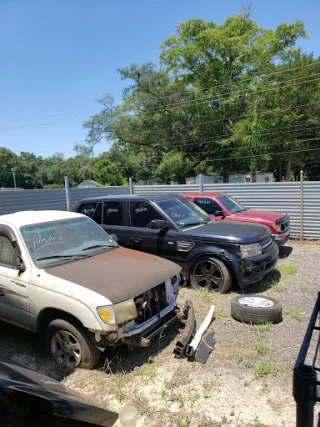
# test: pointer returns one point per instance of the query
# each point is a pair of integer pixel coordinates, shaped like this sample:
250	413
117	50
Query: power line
185	91
263	113
188	92
41	126
46	117
261	155
188	103
235	93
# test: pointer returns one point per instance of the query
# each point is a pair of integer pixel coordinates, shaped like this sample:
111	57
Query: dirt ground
247	380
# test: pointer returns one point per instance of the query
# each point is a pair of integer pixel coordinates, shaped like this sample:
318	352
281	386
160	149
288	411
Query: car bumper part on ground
189	330
253	269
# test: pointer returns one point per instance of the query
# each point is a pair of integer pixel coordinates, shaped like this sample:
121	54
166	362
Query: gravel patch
247	380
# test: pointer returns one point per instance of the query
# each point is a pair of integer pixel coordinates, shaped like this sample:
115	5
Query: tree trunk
289	166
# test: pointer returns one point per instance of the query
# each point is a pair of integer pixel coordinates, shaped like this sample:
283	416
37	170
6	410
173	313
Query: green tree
107	173
174	167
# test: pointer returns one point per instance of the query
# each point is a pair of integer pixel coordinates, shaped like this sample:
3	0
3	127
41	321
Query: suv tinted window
208	205
142	213
112	213
92	210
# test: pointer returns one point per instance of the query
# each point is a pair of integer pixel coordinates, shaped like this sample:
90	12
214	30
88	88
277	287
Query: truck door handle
136	239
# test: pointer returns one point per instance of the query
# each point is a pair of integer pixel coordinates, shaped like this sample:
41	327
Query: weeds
207	297
149	371
287	268
261	347
119	391
277	286
193	396
180	423
295	314
207	386
262	369
262	327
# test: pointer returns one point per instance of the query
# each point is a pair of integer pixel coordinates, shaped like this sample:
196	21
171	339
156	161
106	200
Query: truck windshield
65	240
183	212
231	204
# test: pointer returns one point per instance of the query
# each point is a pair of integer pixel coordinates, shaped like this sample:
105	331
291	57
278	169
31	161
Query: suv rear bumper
253	269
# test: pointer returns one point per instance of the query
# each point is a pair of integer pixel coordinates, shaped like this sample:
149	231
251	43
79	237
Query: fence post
130	185
66	184
200	183
301	205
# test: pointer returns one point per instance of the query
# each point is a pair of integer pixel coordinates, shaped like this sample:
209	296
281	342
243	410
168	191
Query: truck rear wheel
212	274
70	345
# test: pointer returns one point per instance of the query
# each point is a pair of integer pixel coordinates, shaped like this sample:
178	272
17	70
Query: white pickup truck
63	277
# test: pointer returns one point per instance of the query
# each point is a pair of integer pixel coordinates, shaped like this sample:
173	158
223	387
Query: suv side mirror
114	237
159	224
219	213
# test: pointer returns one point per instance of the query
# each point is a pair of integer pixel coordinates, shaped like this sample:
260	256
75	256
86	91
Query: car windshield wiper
190	224
62	256
97	246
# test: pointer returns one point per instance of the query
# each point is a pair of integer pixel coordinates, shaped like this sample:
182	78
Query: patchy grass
149	370
207	298
295	314
262	369
261	347
277	286
208	386
287	268
118	387
262	327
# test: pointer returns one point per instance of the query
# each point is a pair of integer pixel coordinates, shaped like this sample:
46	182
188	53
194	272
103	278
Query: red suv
224	207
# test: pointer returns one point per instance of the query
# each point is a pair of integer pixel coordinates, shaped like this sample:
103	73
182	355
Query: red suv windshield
231	204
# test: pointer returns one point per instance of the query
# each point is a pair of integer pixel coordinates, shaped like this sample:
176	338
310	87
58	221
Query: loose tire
256	309
212	274
70	345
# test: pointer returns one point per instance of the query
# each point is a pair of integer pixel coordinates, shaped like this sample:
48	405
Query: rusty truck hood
118	274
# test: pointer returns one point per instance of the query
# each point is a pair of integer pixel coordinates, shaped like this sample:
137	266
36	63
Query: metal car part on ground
64	278
256	309
194	344
188	331
213	254
305	372
28	398
222	206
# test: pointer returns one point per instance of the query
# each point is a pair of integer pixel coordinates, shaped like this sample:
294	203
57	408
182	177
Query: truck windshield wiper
62	256
97	246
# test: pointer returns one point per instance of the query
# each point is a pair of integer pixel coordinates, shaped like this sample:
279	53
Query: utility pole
14	177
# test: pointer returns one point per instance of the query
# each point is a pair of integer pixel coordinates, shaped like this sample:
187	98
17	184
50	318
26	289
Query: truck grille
265	243
151	303
284	223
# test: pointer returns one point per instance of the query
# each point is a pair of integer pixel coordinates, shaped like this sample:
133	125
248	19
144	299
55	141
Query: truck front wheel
70	345
212	274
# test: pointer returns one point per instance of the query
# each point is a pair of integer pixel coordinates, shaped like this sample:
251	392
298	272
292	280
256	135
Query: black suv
212	254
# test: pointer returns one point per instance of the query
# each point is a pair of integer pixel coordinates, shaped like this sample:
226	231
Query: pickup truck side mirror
219	213
21	267
159	224
7	232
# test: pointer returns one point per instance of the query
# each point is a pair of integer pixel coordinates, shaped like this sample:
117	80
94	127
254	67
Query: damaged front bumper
253	270
154	327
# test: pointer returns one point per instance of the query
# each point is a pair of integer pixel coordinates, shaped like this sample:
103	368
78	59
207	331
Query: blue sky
59	56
